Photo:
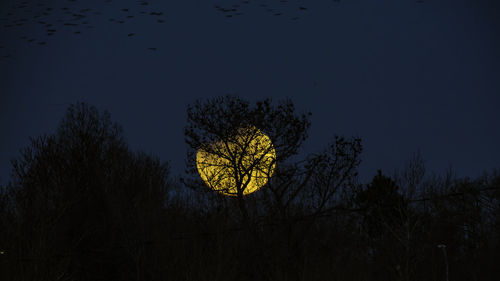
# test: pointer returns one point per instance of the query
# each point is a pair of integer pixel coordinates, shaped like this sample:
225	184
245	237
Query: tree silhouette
225	127
84	205
295	191
388	221
81	206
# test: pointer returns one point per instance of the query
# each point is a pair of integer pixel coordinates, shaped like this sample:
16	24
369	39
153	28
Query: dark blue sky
404	76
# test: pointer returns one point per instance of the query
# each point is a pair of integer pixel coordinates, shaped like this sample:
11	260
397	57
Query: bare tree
232	130
84	206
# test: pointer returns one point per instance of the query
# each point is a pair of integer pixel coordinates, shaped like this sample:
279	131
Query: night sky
402	75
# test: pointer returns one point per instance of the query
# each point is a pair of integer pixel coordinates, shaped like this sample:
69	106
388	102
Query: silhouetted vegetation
80	205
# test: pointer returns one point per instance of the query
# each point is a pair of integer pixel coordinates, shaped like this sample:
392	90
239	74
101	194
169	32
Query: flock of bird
77	17
282	8
275	8
72	16
36	22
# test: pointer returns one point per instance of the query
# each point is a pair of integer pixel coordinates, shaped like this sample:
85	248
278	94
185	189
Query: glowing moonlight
244	162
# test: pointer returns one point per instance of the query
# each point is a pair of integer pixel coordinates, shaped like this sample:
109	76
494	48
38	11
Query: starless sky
402	75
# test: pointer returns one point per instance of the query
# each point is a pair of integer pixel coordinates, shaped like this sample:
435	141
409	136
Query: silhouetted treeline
80	205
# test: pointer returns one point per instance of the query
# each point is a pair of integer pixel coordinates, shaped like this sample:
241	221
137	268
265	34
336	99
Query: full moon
244	162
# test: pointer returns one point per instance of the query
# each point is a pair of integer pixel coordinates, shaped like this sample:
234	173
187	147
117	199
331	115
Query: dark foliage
81	206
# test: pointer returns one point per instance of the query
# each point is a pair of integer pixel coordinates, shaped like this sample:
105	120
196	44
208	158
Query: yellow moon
244	162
